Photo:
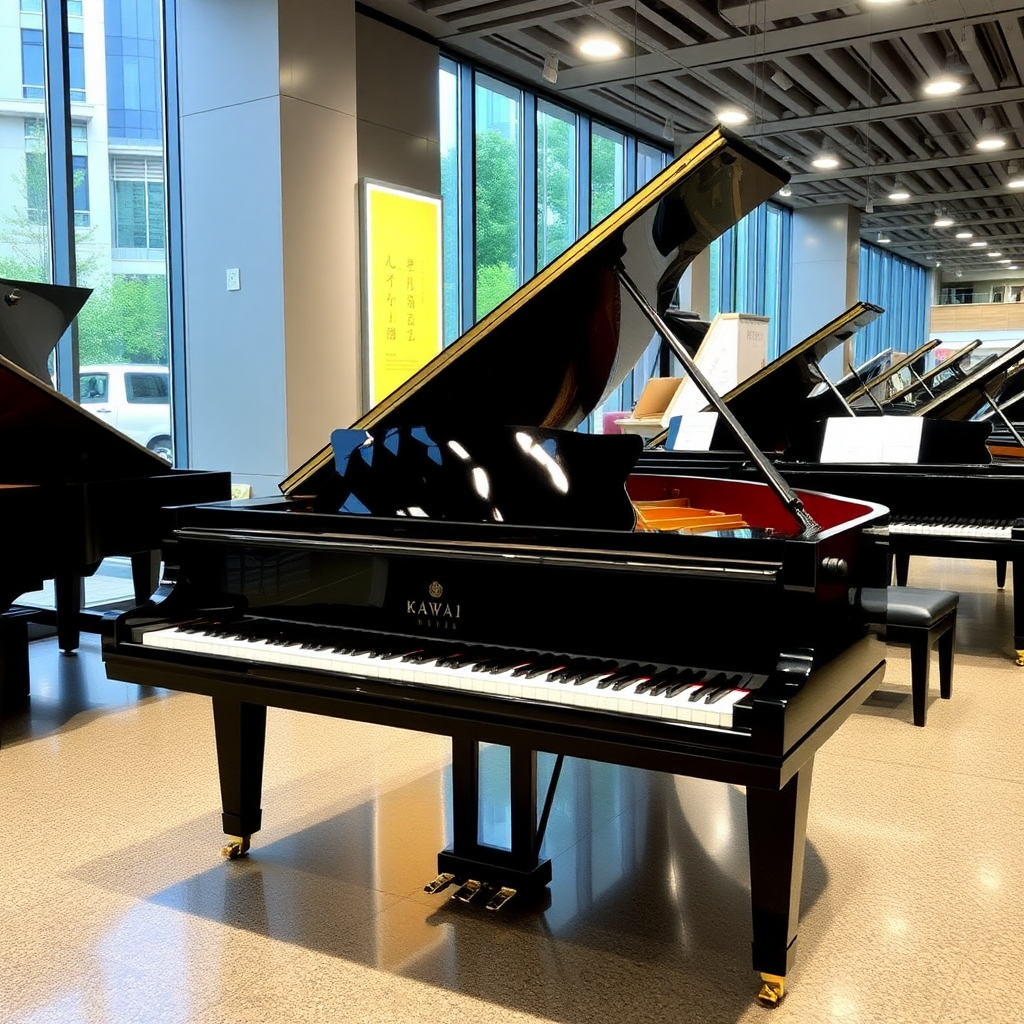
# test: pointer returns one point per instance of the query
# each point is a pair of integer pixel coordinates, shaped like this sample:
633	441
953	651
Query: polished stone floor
117	908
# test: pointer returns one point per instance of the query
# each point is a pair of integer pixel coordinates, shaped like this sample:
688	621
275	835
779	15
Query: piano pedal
440	883
466	893
500	898
238	846
773	988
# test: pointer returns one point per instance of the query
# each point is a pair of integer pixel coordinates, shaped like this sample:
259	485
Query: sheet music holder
33	316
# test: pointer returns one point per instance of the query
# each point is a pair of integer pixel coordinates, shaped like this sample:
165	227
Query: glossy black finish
775	404
512	565
483	473
74	490
550	353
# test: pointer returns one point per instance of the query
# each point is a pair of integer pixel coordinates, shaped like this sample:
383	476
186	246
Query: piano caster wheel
773	988
440	883
1019	660
237	847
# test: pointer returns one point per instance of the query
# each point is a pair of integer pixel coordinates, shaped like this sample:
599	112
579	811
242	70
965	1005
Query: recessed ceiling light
732	115
989	139
1006	261
1013	266
786	191
599	45
965	234
943	220
899	190
993	255
883	238
943	84
825	161
1017	182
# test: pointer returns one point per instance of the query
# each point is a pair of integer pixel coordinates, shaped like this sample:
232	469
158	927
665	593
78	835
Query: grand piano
461	561
73	490
955	501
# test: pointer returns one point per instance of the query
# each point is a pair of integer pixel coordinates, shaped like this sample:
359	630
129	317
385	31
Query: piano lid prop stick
771	475
998	410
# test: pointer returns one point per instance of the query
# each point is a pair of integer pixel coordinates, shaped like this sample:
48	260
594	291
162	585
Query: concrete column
826	255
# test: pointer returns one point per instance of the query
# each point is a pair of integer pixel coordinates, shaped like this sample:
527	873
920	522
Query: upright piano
956	501
461	561
74	490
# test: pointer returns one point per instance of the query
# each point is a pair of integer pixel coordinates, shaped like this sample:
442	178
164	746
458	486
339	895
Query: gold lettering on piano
434	613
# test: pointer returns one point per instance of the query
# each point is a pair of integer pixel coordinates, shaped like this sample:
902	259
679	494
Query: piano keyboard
696	696
953	527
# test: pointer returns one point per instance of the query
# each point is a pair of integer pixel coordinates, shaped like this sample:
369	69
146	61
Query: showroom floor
116	906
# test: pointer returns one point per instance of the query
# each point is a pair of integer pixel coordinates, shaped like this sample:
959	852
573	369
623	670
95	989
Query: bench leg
902	564
945	646
920	659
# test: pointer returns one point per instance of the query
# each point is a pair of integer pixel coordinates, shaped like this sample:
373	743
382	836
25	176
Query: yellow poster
402	300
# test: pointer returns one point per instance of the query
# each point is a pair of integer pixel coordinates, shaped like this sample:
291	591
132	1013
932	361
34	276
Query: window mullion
61	177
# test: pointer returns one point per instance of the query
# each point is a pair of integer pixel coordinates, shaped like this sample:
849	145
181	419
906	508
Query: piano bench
922	619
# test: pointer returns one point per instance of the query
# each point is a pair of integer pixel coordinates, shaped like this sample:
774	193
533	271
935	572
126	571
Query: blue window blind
900	287
751	264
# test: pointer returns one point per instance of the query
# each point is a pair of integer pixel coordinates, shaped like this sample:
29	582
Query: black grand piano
955	501
456	563
73	490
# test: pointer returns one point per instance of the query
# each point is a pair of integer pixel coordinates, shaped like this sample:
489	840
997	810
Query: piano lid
776	400
46	438
968	396
861	398
946	372
33	316
557	347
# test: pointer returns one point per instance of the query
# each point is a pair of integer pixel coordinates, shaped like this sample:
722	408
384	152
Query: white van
134	398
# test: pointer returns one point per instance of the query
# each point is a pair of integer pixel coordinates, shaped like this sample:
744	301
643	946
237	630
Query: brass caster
1019	660
238	846
773	988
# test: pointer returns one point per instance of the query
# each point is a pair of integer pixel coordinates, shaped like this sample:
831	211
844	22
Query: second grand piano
450	564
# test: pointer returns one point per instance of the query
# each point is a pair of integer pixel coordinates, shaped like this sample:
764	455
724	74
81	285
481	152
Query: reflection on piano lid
967	397
33	316
863	375
556	348
484	473
891	380
926	386
43	434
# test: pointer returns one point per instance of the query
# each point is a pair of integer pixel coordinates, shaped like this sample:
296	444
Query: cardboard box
650	407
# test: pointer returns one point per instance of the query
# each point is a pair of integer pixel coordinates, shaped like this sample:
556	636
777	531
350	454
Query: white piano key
463	676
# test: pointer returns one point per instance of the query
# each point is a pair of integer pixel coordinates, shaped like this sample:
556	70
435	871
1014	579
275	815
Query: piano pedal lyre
468	890
500	898
440	883
773	988
238	846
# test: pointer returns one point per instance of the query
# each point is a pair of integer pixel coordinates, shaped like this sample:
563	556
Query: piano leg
240	730
1017	569
145	574
902	560
776	829
498	874
67	602
1000	573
